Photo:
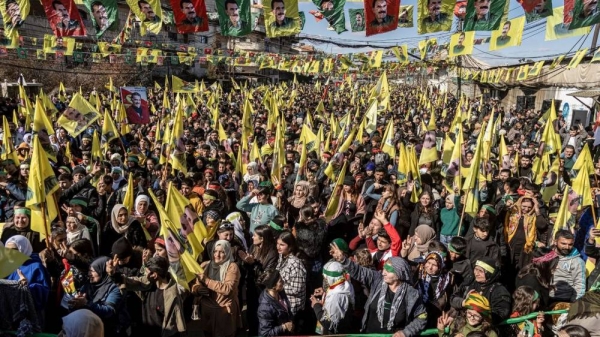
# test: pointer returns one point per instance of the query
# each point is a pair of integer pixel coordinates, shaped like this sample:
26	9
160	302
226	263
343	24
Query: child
482	244
450	219
462	268
525	301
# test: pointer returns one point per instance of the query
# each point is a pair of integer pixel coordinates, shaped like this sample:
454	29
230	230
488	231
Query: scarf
22	243
513	218
99	291
299	202
234	218
340	294
75	234
217	272
121	229
83	323
586	306
426	234
442	279
399	267
139	199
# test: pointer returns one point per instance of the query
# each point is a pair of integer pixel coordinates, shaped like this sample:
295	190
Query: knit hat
349	181
265	187
341	244
134	159
437	256
122	248
370	166
478	303
79	170
213	215
79	200
398	266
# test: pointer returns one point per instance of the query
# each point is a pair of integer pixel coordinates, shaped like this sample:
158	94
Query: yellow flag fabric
429	151
109	129
509	34
10	260
401	53
96	152
175	140
413	174
149	13
550	141
461	44
536	69
333	203
193	229
563	216
577	58
8	149
78	116
182	86
584	159
557	29
550	181
129	194
582	186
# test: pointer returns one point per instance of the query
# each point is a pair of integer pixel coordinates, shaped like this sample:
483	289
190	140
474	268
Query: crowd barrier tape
428	332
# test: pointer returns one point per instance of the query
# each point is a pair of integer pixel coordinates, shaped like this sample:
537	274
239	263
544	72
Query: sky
533	46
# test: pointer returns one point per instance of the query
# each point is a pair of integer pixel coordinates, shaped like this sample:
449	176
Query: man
504	38
360	23
64	25
589	13
482	10
136	113
191	18
148	12
435	15
404	17
459	47
574	137
233	11
60	45
281	21
326	5
382	18
13	11
100	16
569	276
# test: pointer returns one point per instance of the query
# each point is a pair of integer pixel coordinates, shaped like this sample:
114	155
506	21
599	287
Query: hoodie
568	278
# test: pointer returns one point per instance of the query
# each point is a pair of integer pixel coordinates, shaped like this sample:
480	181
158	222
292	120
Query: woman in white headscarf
145	216
238	226
252	172
217	288
334	312
76	230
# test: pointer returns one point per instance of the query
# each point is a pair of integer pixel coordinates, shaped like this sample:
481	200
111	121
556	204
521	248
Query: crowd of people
306	255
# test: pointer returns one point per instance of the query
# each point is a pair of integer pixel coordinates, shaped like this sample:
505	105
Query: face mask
422	170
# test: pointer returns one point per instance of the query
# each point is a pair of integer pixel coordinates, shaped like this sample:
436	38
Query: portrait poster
78	116
104	14
64	17
381	16
190	15
107	48
401	53
434	16
282	18
54	44
357	19
585	13
135	100
14	13
557	29
333	12
234	17
460	9
302	19
405	18
461	44
9	41
542	9
149	13
485	15
509	34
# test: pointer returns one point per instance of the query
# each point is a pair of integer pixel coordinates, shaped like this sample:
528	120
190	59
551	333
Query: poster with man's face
542	9
104	13
509	34
485	14
405	18
461	44
136	104
64	18
13	13
58	44
585	13
281	18
357	19
190	16
381	16
435	16
79	115
149	12
234	17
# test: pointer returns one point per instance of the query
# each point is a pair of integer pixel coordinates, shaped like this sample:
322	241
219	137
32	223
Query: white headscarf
234	218
340	294
140	198
23	245
76	234
217	272
83	323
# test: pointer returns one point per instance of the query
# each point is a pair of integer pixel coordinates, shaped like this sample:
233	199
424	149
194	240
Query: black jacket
272	315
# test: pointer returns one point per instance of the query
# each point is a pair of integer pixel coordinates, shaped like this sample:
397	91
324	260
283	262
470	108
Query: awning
585	93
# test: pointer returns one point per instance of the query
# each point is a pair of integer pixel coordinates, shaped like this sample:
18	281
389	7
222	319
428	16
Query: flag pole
43	209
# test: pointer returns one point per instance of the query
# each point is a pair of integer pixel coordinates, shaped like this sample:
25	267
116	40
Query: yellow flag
584	159
96	152
110	131
556	29
78	116
334	202
509	34
8	149
582	186
429	151
550	141
550	181
10	260
577	58
413	174
180	207
180	85
129	194
387	142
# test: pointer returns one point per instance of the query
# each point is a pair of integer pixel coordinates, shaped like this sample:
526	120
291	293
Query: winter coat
568	278
272	315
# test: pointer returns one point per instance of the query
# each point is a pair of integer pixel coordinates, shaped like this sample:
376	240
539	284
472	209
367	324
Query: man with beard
13	13
233	12
65	26
525	167
360	23
435	15
588	12
382	18
569	276
148	12
100	16
191	18
136	113
281	21
483	18
504	38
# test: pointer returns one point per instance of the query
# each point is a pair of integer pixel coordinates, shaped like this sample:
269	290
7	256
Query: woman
292	271
217	288
252	172
310	237
404	314
334	312
239	226
146	217
525	301
103	297
76	230
122	225
424	213
82	323
22	226
261	257
294	203
417	246
389	204
520	231
37	278
274	309
475	318
435	285
351	205
539	273
450	220
262	212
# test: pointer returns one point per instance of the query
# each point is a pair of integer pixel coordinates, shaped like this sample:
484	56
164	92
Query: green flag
104	14
357	19
234	17
333	11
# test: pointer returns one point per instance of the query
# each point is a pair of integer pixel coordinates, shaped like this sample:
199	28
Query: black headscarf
99	291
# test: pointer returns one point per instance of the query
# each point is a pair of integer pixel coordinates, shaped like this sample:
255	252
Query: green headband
79	202
535	296
332	273
275	226
388	267
452	249
490	209
485	266
23	210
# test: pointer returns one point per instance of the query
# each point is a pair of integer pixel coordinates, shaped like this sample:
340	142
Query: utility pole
595	37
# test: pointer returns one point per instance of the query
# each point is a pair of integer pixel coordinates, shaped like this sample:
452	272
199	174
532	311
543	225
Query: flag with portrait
461	44
556	28
104	14
381	16
460	9
585	13
64	17
14	13
405	17
302	19
282	18
55	44
485	15
434	16
135	100
333	12
541	9
190	15
234	17
149	13
357	19
78	116
509	34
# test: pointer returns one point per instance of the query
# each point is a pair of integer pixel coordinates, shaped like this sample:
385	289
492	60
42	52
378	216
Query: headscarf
98	291
299	202
113	219
511	223
117	182
426	234
75	234
140	198
83	323
400	267
217	272
443	278
234	218
339	295
22	243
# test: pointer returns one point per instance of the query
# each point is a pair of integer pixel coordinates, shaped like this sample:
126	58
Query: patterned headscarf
400	267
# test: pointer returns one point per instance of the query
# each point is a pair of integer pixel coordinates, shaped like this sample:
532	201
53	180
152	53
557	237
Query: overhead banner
64	17
509	35
435	16
282	18
104	14
585	13
405	18
460	9
302	20
14	13
149	12
190	15
56	44
381	16
485	14
542	9
135	100
78	116
357	19
461	44
401	53
333	12
234	17
557	29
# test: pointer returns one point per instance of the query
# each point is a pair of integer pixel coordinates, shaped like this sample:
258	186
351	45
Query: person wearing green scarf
450	218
